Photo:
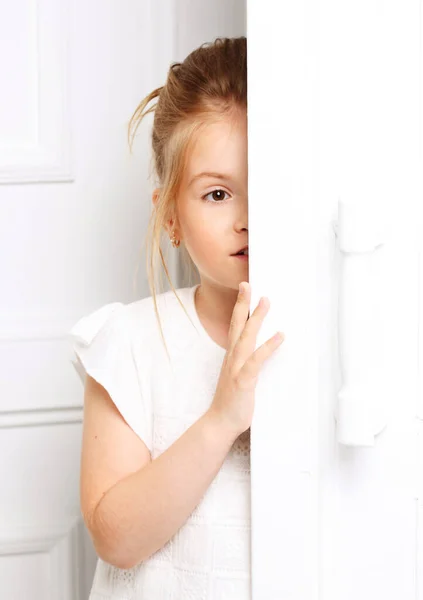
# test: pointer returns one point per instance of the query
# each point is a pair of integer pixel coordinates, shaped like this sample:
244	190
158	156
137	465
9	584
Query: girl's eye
219	199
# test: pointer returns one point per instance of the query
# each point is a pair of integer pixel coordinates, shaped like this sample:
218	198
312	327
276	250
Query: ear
155	198
155	195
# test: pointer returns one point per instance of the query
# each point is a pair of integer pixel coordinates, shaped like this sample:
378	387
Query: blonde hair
209	84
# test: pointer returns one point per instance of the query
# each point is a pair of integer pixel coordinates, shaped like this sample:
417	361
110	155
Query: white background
334	112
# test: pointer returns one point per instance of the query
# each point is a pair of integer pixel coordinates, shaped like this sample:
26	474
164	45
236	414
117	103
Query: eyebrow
208	174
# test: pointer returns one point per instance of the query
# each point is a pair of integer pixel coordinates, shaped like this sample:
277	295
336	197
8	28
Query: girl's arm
142	510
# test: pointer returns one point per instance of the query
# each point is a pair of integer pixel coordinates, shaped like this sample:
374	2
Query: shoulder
137	318
166	303
144	318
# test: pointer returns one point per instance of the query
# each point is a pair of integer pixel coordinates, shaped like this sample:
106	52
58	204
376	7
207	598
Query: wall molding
62	544
37	327
48	158
40	417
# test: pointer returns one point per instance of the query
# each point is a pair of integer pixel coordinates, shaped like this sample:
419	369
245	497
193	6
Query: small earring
175	242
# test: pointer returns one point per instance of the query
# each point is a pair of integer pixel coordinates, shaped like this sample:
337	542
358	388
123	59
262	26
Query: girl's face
213	202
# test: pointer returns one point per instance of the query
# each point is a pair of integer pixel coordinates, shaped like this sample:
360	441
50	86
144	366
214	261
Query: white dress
119	345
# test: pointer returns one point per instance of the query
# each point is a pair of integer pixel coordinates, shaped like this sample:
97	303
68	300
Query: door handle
361	411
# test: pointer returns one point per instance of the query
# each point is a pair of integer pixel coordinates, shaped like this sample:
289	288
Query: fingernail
241	288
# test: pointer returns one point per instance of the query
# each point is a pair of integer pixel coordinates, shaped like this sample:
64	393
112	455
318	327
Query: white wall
73	206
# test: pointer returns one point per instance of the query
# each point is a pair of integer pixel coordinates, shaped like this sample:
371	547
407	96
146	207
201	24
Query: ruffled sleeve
102	344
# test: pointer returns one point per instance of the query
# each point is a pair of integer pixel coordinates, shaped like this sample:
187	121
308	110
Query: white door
335	243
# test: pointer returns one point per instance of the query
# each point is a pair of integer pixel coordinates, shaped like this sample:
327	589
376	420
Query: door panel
334	115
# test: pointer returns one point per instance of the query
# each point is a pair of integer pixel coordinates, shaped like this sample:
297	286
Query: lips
241	251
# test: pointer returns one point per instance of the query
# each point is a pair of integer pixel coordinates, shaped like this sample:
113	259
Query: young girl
165	470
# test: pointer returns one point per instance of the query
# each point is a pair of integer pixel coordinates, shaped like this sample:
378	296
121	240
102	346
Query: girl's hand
233	401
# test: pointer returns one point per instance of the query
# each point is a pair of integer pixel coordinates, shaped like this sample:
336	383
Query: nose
242	217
